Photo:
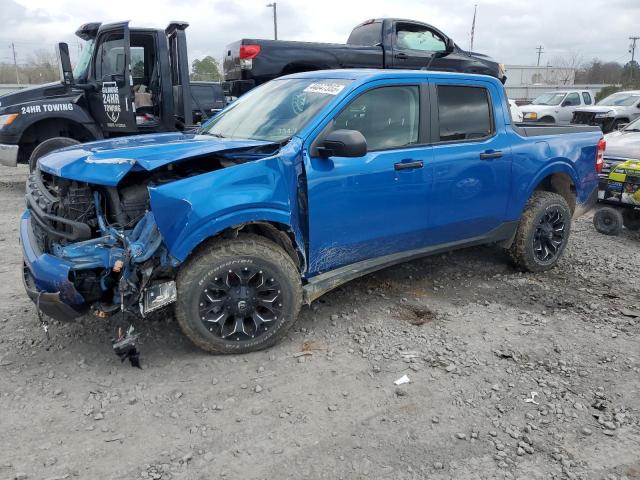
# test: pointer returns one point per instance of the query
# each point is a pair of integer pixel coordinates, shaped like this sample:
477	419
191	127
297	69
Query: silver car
622	144
610	112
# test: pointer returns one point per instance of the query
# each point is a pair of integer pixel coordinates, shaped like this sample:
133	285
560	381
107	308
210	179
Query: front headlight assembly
530	116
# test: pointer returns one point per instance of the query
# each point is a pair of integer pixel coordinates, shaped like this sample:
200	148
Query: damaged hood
106	162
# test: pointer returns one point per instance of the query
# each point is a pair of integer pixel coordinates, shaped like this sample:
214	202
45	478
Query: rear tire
47	147
631	219
608	221
543	232
238	295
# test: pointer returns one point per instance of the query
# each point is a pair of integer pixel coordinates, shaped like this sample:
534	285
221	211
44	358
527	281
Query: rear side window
586	96
368	34
388	117
464	113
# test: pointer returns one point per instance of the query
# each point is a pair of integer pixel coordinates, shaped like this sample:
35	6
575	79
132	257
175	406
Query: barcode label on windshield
324	88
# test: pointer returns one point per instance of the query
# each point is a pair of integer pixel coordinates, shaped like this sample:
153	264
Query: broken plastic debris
402	380
532	399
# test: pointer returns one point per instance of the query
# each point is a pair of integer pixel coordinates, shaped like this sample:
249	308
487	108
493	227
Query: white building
521	75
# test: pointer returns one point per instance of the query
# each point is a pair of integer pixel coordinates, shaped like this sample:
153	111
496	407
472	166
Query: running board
321	284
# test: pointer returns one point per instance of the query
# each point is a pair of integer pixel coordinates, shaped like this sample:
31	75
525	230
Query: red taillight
602	144
248	52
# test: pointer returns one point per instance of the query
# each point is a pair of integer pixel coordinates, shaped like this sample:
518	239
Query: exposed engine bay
109	236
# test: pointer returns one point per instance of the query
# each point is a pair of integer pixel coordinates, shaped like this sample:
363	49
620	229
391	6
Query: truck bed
537	129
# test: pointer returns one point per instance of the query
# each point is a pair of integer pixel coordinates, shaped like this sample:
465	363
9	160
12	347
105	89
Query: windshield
621	99
549	99
633	126
80	70
275	111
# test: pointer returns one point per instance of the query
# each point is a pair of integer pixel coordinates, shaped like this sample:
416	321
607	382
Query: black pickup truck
377	43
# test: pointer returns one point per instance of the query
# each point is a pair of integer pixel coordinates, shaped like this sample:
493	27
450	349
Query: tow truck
126	81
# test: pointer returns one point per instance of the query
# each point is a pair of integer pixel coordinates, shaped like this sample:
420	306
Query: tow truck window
586	96
464	113
110	57
80	70
417	37
387	117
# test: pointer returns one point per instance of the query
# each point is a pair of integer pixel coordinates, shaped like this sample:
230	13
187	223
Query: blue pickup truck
304	183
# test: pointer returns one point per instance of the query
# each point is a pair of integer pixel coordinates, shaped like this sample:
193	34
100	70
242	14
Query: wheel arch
272	225
50	127
559	177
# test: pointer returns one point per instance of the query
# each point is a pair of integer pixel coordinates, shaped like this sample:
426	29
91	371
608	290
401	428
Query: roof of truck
370	74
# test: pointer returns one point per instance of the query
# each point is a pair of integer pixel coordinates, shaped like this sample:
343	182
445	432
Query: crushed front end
93	247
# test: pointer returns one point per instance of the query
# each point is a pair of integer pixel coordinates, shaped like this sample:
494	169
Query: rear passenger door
471	161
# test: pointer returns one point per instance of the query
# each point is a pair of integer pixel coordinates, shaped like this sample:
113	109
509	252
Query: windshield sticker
324	88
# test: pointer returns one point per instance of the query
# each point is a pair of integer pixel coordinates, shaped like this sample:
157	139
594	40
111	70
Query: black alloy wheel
241	303
549	235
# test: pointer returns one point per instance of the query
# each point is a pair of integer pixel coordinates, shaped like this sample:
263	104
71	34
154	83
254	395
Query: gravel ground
511	376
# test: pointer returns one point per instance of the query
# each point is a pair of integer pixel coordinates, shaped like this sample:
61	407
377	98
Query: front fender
193	209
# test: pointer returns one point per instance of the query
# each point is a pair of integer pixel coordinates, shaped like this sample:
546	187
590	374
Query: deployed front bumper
46	278
8	155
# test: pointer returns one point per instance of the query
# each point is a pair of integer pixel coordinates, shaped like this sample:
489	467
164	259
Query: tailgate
231	61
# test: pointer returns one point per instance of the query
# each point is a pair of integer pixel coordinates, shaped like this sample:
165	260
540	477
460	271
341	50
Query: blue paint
338	210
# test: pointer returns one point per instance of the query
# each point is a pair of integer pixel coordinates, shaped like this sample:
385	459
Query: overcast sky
507	30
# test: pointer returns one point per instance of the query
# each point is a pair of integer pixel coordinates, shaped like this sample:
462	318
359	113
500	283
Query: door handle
401	56
408	165
490	155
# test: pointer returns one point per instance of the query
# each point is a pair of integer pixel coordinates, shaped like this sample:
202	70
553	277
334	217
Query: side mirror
64	64
343	143
451	46
566	103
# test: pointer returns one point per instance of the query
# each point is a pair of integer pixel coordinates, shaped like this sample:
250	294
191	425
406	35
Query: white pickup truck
556	106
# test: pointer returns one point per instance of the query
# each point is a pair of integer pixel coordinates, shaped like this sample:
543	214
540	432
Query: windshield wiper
217	135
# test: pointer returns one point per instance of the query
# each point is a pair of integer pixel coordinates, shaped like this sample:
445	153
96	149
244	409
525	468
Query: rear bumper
8	155
46	278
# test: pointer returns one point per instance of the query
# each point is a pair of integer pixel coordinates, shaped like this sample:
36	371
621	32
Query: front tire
543	232
238	295
47	147
608	221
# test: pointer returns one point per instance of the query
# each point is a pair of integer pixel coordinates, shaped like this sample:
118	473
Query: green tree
207	69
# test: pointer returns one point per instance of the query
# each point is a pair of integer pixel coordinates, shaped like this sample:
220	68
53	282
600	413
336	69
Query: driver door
111	101
414	45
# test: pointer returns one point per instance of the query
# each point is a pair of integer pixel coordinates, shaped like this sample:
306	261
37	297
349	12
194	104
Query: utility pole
275	20
632	50
15	63
539	50
473	26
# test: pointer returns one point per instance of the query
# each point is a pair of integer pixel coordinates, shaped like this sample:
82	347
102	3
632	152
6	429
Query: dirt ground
511	376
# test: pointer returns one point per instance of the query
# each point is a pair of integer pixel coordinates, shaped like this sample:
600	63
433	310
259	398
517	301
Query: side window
586	96
417	37
464	113
110	57
573	99
368	34
388	117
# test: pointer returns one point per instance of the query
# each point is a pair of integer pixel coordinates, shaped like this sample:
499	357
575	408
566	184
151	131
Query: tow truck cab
126	81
